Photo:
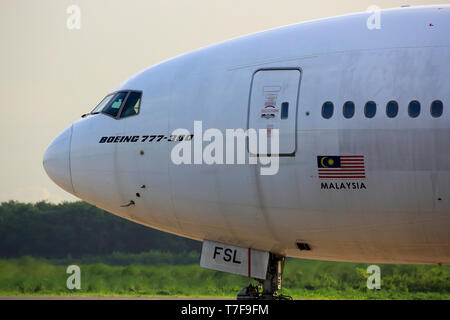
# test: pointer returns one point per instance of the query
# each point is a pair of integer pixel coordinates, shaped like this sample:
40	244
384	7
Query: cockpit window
102	104
121	104
131	106
114	104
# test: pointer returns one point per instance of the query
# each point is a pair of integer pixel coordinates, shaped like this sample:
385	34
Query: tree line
77	229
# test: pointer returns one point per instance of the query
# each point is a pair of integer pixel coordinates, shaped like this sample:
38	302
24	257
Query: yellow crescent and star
330	162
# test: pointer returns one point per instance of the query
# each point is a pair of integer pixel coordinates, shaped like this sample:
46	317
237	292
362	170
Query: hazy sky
51	75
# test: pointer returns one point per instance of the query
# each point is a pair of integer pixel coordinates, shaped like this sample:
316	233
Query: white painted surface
403	216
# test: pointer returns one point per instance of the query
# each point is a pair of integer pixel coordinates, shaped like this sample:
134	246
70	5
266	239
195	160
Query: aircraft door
273	105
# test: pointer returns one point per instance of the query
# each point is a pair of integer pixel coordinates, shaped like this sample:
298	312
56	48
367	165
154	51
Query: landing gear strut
268	288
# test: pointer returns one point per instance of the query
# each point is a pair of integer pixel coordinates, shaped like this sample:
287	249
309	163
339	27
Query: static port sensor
243	261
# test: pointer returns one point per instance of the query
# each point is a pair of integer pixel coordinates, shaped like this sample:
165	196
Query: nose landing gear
268	288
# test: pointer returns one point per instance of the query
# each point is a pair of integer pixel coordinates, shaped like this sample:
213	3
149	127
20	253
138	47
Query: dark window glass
113	106
284	110
392	109
370	109
414	109
132	104
349	109
102	104
327	110
437	108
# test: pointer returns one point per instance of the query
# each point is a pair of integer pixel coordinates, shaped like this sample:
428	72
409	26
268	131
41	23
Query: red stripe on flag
358	171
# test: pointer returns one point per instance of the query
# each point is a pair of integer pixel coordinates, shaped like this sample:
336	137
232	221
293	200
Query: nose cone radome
57	160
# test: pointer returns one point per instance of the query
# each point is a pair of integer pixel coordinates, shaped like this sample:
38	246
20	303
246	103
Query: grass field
302	279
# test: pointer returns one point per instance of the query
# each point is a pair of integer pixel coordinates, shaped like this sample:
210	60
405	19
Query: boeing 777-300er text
326	140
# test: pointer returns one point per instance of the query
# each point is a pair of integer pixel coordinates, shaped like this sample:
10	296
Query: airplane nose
57	160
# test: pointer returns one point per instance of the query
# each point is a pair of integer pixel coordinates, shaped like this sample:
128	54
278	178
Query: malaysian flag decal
341	167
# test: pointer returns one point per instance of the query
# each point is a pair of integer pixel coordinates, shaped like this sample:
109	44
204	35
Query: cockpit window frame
120	108
119	113
111	95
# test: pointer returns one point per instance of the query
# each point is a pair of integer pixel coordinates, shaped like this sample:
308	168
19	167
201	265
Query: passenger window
370	109
132	105
113	106
392	109
102	104
349	109
414	109
327	110
437	108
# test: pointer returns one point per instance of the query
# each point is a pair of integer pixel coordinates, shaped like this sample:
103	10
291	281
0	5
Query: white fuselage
401	215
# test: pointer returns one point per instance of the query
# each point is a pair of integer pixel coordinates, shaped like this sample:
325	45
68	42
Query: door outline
296	105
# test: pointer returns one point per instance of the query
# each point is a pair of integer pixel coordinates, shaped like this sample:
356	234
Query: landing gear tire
268	288
249	293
